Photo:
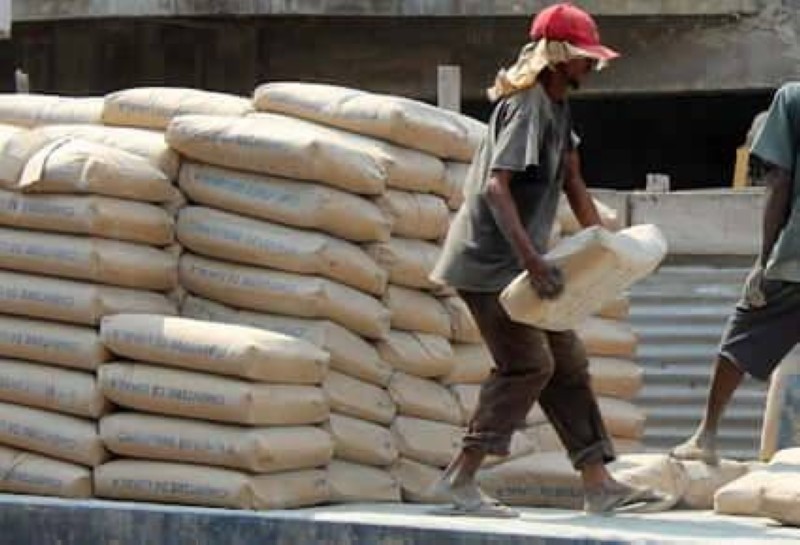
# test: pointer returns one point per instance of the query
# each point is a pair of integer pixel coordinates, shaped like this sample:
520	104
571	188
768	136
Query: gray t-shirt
528	134
778	143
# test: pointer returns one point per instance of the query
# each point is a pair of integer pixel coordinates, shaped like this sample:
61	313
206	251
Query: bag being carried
598	265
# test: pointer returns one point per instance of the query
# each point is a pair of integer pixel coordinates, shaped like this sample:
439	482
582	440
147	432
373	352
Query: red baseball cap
568	23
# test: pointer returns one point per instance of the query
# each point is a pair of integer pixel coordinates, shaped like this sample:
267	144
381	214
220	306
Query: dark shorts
757	339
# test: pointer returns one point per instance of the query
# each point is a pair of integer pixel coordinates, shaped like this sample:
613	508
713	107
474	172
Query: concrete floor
44	521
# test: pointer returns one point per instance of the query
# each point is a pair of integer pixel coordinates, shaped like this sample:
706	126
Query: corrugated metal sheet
679	314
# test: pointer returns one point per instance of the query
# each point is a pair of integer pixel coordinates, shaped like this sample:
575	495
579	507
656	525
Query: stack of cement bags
768	491
223	415
81	237
419	348
281	218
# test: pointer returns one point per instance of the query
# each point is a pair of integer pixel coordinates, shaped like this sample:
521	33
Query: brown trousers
532	365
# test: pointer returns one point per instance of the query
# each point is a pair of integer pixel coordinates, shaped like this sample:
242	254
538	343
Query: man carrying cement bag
502	229
766	323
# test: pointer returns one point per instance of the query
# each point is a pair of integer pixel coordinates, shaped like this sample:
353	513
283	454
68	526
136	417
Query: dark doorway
691	138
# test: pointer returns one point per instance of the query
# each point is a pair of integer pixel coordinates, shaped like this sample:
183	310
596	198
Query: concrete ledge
714	222
39	10
43	521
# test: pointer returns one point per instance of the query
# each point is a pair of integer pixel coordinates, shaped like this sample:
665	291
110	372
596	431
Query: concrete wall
32	10
697	223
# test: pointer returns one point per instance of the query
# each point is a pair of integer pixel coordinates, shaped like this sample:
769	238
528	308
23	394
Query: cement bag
659	472
52	434
704	480
96	216
424	398
260	450
198	395
403	168
407	122
782	501
285	293
206	231
292	148
615	377
74	302
542	479
618	309
452	188
47	342
359	399
223	349
418	354
27	473
415	215
51	388
598	266
147	144
7	131
356	483
289	202
290	490
570	225
780	430
744	495
414	310
94	259
417	481
173	483
76	166
360	441
467	397
426	441
622	418
463	326
349	353
603	337
408	261
473	365
207	486
154	107
33	110
787	456
16	150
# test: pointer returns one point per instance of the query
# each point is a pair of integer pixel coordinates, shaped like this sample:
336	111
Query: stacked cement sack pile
277	235
419	345
222	415
82	234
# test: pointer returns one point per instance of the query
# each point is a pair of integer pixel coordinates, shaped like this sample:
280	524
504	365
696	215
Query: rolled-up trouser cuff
600	452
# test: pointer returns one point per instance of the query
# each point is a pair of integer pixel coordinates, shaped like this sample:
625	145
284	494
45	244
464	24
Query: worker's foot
468	499
616	497
699	448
